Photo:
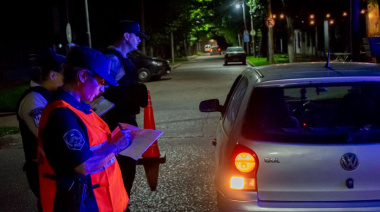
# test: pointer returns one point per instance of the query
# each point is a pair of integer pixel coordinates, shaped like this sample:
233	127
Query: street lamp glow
312	22
274	15
282	16
331	22
311	16
237	6
369	15
344	13
328	15
362	11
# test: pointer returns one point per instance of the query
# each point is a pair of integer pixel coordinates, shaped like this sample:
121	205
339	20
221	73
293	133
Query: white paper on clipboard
141	140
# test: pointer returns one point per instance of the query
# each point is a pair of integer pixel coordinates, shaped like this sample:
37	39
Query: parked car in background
207	48
299	137
149	68
215	50
235	54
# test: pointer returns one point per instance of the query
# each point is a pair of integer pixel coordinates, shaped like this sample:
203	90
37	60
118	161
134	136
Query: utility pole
251	5
88	24
143	44
354	28
245	27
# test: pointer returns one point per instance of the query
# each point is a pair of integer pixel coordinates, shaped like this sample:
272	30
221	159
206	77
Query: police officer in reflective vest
76	149
47	69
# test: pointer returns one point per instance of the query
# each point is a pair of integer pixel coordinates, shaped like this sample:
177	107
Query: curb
188	59
2	114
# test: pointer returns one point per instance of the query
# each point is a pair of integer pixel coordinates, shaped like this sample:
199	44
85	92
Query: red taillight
218	49
245	164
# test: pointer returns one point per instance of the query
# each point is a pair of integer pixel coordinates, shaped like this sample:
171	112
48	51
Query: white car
300	137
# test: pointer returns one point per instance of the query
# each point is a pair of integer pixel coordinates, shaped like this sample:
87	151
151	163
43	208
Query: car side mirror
211	105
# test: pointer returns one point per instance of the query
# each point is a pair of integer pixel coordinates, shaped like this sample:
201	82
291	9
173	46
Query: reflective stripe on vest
107	182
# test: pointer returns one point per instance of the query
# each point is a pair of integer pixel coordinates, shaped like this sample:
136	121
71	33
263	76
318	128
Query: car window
338	113
233	104
235	49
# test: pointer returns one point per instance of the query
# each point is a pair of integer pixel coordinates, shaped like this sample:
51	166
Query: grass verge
261	61
8	130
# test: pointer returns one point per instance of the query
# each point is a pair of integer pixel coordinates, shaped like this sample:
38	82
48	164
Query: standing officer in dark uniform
47	68
130	95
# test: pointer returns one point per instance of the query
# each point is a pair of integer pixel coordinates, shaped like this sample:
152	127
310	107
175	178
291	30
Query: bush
9	97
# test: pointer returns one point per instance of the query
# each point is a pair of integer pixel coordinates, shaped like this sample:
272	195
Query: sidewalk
8	119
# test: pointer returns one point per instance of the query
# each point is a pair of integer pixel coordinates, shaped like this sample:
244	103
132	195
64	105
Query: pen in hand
125	131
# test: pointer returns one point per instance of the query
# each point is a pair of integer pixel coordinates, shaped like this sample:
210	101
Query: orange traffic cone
151	158
152	151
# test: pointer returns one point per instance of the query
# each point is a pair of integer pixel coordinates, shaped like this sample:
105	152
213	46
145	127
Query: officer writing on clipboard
77	143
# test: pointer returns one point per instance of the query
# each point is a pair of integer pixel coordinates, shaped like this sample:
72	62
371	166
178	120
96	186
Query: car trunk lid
306	172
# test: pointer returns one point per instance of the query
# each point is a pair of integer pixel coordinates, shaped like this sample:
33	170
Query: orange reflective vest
107	183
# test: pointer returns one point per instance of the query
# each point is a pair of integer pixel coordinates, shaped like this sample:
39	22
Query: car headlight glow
157	63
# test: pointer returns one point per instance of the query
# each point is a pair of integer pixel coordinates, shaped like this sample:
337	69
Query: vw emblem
349	161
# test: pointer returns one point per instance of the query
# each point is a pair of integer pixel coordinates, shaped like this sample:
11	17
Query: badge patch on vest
74	139
36	115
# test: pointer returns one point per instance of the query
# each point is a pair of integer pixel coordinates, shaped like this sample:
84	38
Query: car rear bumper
235	59
253	204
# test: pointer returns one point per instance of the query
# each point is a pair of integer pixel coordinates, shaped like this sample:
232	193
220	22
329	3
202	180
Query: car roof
314	72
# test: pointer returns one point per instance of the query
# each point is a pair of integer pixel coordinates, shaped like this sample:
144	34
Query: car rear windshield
332	113
235	49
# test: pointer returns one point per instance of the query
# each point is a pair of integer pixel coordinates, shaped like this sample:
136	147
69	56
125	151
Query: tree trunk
291	54
290	29
270	36
185	47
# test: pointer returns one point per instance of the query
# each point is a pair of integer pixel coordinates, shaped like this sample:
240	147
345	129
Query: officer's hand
122	140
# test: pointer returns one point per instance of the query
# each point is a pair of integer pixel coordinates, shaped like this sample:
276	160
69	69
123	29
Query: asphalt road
186	179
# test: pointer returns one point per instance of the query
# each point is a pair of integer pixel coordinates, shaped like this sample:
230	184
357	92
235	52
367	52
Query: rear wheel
225	63
144	74
244	62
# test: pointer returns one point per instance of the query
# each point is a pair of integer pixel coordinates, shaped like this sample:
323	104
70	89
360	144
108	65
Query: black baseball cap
50	60
92	60
131	27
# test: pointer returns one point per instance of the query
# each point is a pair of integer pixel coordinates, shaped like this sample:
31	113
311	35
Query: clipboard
101	106
142	139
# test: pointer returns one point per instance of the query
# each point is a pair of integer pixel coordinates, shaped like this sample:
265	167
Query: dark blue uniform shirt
65	140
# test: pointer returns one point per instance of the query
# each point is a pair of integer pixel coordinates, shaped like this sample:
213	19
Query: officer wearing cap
78	168
47	68
131	95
